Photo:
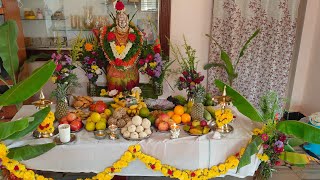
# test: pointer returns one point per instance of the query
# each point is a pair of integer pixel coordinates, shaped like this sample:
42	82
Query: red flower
170	172
185	73
182	79
132	37
282	138
278	150
59	77
41	127
111	36
197	81
118	62
16	168
119	6
149	57
112	170
193	174
277	163
153	166
157	48
265	146
59	67
264	137
141	62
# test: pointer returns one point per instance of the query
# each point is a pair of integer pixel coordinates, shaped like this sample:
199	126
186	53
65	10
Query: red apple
71	117
78	119
75	125
63	118
164	117
157	122
203	123
163	126
99	108
64	122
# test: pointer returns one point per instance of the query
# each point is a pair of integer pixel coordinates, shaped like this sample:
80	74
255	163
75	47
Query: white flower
113	92
127	48
136	89
98	71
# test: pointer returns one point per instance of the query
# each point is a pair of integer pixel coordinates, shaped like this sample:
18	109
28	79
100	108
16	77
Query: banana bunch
134	109
117	102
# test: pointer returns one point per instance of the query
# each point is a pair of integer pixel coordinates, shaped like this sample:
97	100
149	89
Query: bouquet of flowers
190	77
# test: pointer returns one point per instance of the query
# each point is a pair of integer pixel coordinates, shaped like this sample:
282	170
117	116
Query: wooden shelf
1	10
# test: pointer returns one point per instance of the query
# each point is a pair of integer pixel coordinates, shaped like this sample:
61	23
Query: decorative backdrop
266	63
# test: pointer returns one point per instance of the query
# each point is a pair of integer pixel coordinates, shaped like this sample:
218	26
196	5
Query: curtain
266	63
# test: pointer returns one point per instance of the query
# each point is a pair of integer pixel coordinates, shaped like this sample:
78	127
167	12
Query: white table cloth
87	154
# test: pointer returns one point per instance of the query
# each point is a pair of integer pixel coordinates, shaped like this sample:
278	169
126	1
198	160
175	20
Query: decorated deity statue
121	43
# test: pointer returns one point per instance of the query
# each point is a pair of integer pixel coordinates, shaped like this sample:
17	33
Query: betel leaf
38	118
294	158
28	152
28	87
251	149
293	142
247	43
300	130
9	48
242	104
11	127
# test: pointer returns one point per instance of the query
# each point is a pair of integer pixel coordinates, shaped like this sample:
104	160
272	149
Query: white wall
305	95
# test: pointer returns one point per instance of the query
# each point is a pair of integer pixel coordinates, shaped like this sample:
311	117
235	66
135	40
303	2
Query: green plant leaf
28	87
293	142
38	118
210	65
245	46
294	158
242	104
9	48
226	59
288	148
29	152
11	127
300	130
251	149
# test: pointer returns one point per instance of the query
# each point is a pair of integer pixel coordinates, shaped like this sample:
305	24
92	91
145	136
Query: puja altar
87	154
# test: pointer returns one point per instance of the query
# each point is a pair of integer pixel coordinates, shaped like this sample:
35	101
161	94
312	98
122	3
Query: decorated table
88	154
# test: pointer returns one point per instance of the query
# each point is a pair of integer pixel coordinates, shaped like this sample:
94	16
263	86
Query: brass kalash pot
223	100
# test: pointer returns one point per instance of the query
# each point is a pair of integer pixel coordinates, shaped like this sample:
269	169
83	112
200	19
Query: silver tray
58	142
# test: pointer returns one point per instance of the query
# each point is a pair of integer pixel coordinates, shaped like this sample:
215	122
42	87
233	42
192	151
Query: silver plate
58	142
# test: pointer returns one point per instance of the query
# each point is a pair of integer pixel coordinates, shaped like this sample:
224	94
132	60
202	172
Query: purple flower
264	137
86	58
279	144
157	58
56	57
90	75
68	59
157	73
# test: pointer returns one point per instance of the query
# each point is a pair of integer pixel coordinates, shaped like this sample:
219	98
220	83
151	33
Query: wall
192	19
305	97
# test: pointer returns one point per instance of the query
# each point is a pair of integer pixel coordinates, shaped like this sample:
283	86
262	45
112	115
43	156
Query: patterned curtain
265	65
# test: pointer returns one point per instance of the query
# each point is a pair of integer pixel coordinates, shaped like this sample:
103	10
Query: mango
195	131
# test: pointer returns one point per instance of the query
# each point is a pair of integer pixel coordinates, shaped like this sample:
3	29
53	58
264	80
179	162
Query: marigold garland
133	153
223	117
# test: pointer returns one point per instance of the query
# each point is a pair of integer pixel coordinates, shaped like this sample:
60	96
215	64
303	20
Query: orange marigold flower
88	47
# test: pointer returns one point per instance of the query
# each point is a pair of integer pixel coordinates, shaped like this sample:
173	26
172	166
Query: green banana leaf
293	142
294	158
300	130
11	127
9	48
288	148
228	64
28	87
38	118
28	152
247	43
244	106
251	149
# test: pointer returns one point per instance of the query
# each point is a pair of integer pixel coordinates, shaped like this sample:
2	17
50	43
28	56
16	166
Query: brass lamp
42	102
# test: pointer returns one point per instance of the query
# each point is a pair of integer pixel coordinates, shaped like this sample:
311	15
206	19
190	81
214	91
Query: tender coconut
146	123
139	129
134	135
124	129
142	134
148	131
126	134
137	120
132	128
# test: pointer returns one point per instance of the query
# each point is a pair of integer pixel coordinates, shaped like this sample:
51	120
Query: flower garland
223	118
133	153
47	124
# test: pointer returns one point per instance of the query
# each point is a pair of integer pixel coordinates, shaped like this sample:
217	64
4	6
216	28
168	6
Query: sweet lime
144	112
95	117
90	126
108	112
101	125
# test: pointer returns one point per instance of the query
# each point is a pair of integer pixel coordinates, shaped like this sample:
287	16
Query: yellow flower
88	47
263	157
103	92
177	174
3	150
94	67
54	79
242	151
153	64
120	49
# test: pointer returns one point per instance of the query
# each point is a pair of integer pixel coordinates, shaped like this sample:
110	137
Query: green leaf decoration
251	149
9	48
300	130
242	104
28	152
38	118
293	142
226	59
28	87
294	158
288	148
11	127
210	65
247	43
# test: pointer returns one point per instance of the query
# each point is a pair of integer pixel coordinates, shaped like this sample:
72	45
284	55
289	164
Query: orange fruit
179	110
170	113
176	118
185	118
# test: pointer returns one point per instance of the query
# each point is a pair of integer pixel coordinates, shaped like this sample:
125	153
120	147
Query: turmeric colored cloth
122	80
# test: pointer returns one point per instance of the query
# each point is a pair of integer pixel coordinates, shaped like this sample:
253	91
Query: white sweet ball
132	128
126	134
129	123
139	129
142	134
137	120
146	123
123	129
134	135
148	131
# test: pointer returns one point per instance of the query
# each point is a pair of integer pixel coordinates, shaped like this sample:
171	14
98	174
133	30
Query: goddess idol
121	43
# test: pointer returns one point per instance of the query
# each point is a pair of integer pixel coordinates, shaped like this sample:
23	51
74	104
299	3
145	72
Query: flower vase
61	108
122	80
92	89
157	88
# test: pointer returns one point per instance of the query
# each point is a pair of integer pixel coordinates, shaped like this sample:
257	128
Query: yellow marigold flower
88	47
242	151
164	171
153	64
54	79
177	174
221	167
158	166
94	67
3	150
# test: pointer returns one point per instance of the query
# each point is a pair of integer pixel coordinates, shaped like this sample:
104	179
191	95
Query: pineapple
62	103
197	110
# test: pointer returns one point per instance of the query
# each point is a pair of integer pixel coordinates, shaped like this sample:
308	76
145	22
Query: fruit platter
74	121
137	129
197	128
